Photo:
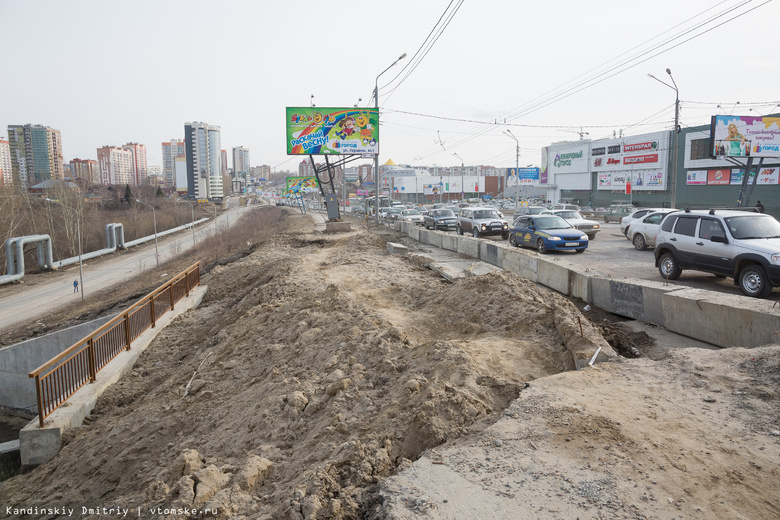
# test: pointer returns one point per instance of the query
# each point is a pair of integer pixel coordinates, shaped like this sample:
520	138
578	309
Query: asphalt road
20	303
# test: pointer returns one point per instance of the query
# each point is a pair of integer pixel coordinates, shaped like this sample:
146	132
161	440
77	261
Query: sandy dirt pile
314	368
318	366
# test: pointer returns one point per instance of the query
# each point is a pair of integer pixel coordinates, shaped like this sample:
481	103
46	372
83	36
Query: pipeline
16	244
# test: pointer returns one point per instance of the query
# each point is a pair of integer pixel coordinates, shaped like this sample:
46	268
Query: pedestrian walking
760	207
75	286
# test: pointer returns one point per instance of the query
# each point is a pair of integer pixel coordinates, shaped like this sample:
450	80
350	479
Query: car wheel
459	230
540	246
512	240
475	232
668	267
504	235
639	242
753	282
606	220
592	237
580	250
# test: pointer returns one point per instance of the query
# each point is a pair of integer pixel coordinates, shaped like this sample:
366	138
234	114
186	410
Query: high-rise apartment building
140	170
305	168
203	146
36	154
170	151
6	171
85	170
241	166
223	154
115	165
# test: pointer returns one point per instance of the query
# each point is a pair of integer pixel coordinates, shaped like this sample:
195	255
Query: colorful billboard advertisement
696	177
544	173
745	136
522	175
301	184
719	177
337	131
768	176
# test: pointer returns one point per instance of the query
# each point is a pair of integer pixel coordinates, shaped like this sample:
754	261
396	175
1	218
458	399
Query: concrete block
413	231
554	275
521	263
396	249
579	283
450	242
601	292
337	227
491	252
430	237
725	320
469	247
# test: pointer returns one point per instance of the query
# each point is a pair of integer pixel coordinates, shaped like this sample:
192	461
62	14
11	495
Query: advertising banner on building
768	176
338	131
544	172
643	158
718	177
696	177
301	184
745	136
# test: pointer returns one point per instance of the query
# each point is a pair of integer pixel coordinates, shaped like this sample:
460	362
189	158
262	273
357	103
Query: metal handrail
60	377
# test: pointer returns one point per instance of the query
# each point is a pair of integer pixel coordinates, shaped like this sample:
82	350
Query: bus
384	202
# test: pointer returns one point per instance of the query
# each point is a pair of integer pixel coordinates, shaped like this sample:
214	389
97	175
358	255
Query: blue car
546	233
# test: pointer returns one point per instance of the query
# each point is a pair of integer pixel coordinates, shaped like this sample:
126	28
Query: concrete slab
469	246
553	274
395	248
432	238
39	445
450	242
491	252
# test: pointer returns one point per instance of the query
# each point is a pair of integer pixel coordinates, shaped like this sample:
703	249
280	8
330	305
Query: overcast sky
108	73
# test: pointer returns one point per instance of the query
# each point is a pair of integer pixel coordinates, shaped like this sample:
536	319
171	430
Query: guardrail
60	377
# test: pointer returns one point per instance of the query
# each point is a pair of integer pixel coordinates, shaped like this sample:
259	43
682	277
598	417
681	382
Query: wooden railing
60	377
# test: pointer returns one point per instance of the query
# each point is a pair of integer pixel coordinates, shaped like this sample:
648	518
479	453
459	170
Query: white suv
740	244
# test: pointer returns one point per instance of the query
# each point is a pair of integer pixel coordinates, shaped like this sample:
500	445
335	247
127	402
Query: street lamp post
154	217
78	237
376	157
673	187
517	165
192	208
462	178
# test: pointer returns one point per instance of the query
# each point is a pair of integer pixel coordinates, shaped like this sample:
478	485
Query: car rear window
686	226
668	223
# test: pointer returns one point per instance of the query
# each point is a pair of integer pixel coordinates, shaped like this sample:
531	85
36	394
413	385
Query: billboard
338	131
642	159
745	136
522	175
301	184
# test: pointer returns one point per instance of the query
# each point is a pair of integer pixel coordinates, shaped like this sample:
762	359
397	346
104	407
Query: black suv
740	244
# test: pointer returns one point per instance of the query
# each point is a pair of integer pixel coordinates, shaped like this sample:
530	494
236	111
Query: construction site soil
318	368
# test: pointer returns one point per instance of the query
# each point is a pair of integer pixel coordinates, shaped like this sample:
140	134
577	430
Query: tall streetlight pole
154	216
78	237
673	187
192	208
462	186
376	157
517	165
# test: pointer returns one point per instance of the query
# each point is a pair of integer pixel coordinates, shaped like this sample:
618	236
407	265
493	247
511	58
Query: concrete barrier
432	238
580	283
553	275
468	246
17	390
39	445
450	242
725	320
397	249
491	252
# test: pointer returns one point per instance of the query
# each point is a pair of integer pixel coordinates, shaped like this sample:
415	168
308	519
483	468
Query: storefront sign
697	177
641	159
718	177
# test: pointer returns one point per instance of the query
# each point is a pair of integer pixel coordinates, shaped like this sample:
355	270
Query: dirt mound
315	367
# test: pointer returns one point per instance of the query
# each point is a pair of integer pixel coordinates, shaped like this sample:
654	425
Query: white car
589	227
639	213
642	231
412	215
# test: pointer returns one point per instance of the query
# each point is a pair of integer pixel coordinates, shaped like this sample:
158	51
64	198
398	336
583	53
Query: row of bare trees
23	214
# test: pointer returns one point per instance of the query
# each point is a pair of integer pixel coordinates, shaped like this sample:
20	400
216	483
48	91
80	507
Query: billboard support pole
753	184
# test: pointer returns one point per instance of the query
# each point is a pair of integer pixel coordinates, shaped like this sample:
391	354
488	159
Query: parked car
639	213
616	213
383	212
642	231
547	233
572	207
357	210
441	219
741	244
529	210
481	221
589	227
412	215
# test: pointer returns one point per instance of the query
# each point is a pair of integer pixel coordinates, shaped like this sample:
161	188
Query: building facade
6	171
140	169
224	157
36	154
85	170
115	165
203	148
241	167
170	151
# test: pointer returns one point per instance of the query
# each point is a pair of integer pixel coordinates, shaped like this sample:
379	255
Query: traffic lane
612	254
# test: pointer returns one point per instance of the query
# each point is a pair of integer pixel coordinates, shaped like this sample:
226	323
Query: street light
673	190
78	236
154	216
376	157
462	186
517	165
192	208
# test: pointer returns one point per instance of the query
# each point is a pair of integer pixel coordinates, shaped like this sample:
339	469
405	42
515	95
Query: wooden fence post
92	364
